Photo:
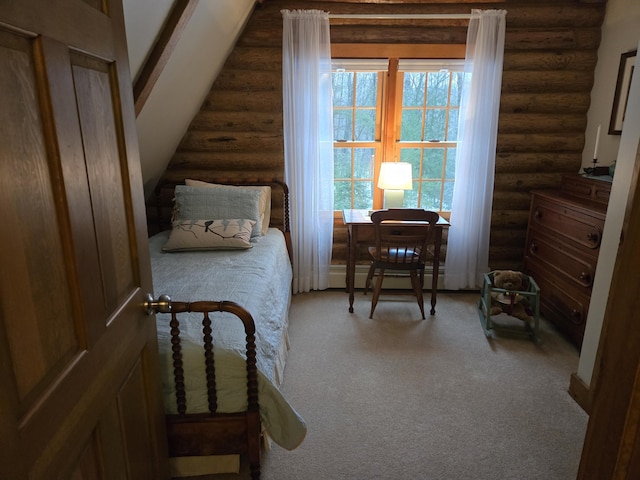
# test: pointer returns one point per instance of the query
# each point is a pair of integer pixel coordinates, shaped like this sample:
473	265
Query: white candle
595	150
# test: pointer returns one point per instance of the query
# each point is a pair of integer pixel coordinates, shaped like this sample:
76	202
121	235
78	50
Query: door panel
92	79
58	92
33	257
79	384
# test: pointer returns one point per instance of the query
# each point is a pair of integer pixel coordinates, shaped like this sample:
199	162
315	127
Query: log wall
550	56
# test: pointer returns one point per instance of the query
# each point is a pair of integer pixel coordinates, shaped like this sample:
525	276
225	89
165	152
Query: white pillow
226	234
195	203
265	198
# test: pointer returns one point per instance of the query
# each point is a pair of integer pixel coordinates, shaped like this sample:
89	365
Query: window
358	88
395	110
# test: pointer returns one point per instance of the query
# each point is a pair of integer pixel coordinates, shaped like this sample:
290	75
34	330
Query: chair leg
376	292
417	288
367	283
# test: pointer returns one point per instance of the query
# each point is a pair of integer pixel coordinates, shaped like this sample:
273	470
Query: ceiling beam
167	40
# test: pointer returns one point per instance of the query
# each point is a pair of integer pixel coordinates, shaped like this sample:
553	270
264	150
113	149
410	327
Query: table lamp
395	178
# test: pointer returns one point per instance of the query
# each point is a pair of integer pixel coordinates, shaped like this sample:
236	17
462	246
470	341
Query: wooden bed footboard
213	433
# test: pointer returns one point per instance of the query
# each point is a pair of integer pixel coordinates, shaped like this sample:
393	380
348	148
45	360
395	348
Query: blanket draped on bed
258	279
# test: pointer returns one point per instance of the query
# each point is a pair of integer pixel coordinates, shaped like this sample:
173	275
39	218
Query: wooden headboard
160	206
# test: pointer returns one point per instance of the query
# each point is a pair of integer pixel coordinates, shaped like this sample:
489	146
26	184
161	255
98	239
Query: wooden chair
401	239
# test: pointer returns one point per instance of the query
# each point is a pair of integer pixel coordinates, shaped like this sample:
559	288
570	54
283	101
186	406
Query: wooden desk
360	229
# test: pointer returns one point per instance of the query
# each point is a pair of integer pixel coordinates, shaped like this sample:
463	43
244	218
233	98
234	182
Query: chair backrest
402	235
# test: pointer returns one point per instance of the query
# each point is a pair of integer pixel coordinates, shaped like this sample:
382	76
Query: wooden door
612	441
79	382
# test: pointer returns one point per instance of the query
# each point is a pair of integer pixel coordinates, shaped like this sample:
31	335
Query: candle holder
596	171
595	150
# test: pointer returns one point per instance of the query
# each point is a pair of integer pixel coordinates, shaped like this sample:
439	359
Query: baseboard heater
337	278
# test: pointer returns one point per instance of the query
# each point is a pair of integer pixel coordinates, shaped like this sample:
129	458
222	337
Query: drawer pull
593	237
538	214
576	316
534	247
585	277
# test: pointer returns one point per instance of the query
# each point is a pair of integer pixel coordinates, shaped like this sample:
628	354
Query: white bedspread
259	279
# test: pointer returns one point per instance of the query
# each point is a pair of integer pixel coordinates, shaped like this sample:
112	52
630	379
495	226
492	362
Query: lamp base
393	198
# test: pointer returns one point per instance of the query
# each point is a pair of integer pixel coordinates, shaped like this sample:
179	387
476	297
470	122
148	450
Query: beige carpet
398	397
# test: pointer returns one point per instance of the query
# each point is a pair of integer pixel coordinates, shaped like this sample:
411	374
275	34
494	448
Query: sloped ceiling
188	75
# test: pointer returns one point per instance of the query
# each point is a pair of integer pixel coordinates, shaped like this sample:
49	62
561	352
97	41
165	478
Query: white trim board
338	273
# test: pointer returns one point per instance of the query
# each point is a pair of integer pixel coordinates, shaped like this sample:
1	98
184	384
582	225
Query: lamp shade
395	176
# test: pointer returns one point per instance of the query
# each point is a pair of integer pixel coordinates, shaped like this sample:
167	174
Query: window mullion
388	134
424	109
354	107
391	102
448	112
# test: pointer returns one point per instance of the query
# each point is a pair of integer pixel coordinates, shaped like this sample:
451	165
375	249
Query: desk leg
352	245
436	268
347	274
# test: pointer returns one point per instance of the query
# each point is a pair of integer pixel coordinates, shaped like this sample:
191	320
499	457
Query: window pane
411	196
341	195
355	105
342	89
342	125
413	94
365	125
411	127
363	194
433	162
366	89
452	133
456	88
438	89
342	163
434	125
412	155
430	196
450	170
363	163
447	196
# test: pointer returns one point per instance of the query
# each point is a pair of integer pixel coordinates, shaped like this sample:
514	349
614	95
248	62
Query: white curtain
308	144
467	255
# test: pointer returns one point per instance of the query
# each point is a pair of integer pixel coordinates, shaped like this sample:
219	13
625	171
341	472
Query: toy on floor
510	301
513	293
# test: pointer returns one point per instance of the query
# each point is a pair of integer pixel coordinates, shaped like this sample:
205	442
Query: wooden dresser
563	242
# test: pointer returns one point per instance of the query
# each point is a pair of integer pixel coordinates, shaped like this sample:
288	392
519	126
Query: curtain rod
404	16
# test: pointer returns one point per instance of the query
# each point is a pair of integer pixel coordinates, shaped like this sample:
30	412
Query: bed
225	262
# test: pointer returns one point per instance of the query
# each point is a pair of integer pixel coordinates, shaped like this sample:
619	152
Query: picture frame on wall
625	72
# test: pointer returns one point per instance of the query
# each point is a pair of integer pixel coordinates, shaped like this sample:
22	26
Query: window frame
376	143
389	122
422	66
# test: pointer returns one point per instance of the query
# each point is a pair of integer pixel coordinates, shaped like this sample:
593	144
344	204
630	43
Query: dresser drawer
561	304
597	191
573	225
561	252
568	263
